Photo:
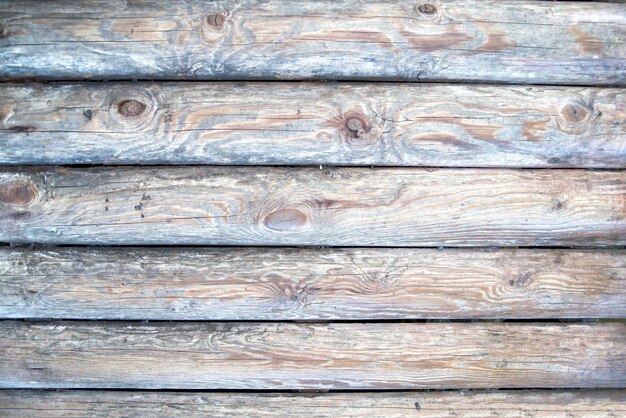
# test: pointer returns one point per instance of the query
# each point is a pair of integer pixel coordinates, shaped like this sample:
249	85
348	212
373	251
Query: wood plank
296	284
475	404
307	206
230	355
463	40
313	123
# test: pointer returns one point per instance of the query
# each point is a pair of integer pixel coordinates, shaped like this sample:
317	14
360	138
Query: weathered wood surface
610	403
498	41
313	123
308	206
287	284
202	355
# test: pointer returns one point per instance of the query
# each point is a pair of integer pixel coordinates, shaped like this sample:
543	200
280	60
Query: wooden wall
323	208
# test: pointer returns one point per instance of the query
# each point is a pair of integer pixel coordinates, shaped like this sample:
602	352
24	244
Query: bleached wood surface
308	206
296	284
205	355
433	404
433	40
386	124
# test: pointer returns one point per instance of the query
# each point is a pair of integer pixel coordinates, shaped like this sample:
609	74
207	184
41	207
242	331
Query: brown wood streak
468	40
313	123
306	206
433	404
287	284
205	355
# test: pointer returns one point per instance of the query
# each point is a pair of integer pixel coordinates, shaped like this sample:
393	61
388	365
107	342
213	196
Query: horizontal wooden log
499	41
232	355
287	284
306	206
476	404
312	123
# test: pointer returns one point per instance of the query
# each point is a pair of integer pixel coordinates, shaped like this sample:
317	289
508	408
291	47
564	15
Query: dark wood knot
216	20
18	192
427	9
356	125
130	108
357	130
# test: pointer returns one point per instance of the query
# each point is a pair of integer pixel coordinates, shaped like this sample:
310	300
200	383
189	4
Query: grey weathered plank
608	403
202	355
306	206
501	41
313	123
286	284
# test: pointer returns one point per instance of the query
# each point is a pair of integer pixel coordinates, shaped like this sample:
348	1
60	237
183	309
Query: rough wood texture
499	41
203	355
307	206
475	404
281	284
312	123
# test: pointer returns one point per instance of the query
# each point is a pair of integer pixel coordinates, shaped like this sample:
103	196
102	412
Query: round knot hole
427	9
131	108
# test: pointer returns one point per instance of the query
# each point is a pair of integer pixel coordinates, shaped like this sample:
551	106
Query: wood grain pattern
434	40
313	123
474	404
288	284
306	206
203	355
